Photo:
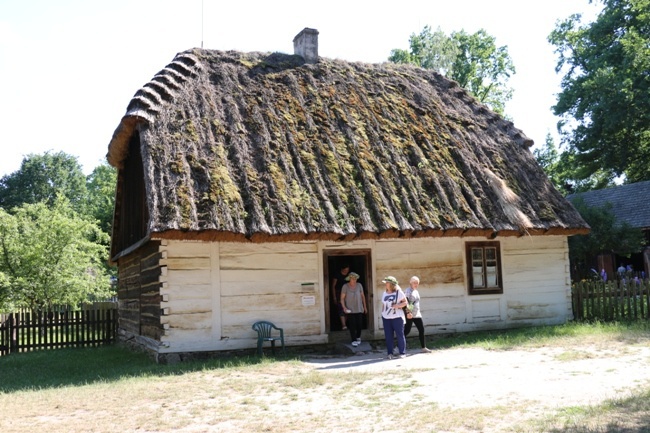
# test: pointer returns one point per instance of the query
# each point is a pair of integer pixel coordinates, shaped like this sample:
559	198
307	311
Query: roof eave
226	236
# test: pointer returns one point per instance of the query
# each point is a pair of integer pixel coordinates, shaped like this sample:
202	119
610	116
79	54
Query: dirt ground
542	377
459	390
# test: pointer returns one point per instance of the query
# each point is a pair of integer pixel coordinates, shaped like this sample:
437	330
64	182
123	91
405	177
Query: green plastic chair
264	331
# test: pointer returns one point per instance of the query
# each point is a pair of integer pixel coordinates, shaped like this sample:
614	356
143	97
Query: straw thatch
263	147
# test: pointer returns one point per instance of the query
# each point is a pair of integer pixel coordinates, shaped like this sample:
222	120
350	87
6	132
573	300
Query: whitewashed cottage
247	179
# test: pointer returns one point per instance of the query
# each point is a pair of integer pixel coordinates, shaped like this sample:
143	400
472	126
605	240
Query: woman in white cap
393	317
353	301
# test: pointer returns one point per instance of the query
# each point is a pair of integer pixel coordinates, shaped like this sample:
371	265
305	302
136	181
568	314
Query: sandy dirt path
542	377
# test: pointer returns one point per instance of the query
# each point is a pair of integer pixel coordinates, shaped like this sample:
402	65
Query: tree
435	51
606	236
42	178
483	68
563	172
473	60
50	255
100	185
605	99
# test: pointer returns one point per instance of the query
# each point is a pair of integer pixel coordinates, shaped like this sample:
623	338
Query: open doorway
358	261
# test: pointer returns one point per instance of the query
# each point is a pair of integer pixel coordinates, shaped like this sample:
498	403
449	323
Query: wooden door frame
366	254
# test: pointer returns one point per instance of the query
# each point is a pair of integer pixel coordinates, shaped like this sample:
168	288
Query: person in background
414	316
353	301
337	285
392	316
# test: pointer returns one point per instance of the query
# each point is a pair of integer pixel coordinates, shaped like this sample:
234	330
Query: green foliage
50	255
483	68
605	99
607	235
100	185
42	178
473	60
547	158
429	50
565	174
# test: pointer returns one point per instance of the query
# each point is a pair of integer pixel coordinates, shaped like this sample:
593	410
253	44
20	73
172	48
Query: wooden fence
618	300
26	330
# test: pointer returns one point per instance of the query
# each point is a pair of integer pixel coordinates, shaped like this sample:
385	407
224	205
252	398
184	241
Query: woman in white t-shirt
393	317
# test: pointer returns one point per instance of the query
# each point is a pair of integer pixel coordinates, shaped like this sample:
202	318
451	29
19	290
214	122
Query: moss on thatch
264	147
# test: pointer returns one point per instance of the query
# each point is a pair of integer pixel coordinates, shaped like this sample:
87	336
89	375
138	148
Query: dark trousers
396	327
418	324
354	322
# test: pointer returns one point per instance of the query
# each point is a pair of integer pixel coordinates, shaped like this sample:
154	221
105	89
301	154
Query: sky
68	69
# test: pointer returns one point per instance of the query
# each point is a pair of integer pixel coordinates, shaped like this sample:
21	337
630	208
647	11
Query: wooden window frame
485	289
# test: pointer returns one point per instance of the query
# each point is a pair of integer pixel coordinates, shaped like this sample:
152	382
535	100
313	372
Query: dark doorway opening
359	262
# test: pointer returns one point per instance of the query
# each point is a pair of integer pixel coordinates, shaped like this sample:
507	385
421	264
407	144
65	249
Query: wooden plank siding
208	295
255	282
439	265
536	282
266	283
537	285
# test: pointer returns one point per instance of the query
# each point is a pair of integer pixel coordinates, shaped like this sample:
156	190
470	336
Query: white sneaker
355	343
402	356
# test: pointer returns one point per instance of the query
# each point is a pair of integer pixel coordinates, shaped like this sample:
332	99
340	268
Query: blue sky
69	68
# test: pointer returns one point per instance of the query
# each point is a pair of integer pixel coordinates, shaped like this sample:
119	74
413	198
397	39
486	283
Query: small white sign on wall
308	301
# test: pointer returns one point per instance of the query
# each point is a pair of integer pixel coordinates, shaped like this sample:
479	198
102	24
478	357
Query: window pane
477	255
490	254
491	272
477	276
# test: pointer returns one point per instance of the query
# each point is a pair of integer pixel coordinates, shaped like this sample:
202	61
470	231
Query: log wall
200	296
139	294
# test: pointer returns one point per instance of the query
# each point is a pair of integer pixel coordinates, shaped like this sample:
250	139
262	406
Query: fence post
609	311
577	302
641	293
4	343
646	293
13	343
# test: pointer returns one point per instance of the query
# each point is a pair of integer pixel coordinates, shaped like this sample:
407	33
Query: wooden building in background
629	204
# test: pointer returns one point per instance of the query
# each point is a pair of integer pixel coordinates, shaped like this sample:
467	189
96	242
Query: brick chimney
305	44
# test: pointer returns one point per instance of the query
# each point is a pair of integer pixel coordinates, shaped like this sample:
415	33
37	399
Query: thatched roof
262	147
